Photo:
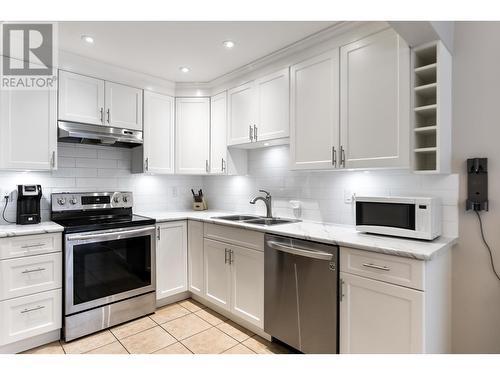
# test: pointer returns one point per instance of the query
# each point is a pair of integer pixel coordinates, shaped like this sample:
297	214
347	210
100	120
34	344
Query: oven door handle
77	237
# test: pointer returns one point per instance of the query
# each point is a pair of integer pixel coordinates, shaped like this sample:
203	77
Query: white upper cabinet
314	130
218	134
171	259
192	135
159	133
259	110
95	101
81	98
123	106
375	102
28	129
273	100
242	115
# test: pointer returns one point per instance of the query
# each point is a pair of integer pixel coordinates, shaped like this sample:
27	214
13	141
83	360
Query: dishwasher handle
300	251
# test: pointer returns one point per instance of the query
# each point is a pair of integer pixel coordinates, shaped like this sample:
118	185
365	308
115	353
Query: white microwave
412	217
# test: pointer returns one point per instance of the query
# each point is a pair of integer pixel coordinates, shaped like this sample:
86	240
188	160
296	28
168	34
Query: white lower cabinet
378	317
195	257
25	317
247	282
171	259
234	279
217	273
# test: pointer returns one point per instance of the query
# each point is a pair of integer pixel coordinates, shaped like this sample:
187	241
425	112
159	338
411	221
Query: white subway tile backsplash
95	163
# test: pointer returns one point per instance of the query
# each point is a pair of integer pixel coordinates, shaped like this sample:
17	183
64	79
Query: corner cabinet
159	134
375	102
350	107
171	259
192	135
28	130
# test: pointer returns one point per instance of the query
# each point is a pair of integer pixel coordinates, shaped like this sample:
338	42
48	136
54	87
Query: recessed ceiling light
184	69
88	39
228	44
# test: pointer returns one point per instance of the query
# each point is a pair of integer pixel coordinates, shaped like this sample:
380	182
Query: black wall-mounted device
28	204
477	184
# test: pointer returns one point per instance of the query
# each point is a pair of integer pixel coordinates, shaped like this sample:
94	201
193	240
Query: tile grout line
100	346
117	339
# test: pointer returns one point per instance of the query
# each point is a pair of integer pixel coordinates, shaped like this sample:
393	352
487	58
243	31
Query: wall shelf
431	98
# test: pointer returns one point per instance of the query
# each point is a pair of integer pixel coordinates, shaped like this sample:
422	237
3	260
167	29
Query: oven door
108	266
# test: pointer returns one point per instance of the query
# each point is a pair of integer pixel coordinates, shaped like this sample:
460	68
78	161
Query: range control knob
125	198
73	201
61	201
116	199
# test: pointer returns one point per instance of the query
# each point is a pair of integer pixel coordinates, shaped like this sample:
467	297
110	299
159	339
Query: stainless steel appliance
413	217
28	204
72	132
109	261
301	294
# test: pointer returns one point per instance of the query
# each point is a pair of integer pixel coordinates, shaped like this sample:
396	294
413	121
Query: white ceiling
160	48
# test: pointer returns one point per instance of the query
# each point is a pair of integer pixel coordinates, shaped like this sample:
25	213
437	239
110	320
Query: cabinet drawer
237	236
389	268
28	275
25	317
21	246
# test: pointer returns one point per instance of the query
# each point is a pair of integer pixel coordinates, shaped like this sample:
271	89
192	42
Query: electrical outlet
348	196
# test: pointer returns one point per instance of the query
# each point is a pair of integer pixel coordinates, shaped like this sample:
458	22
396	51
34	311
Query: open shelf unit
431	99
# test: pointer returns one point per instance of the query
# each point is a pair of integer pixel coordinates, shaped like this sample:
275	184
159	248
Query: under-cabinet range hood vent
72	132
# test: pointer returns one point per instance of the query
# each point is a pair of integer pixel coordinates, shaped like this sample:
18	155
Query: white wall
98	168
476	133
322	193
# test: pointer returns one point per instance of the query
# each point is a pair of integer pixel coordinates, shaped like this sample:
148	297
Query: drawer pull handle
34	245
33	309
34	270
377	267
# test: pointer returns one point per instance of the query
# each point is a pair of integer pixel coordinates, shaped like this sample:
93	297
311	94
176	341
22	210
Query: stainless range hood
73	132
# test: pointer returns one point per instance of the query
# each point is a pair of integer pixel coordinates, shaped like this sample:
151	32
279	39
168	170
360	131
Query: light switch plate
348	196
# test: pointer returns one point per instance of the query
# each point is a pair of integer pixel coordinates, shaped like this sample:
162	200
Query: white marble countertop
327	233
12	230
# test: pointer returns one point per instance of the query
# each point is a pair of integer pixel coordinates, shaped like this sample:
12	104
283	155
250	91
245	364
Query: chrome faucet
266	200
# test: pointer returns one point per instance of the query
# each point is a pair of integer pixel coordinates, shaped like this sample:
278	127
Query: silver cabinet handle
250	135
108	113
376	266
207	167
231	257
255	132
102	114
223	166
33	270
147	164
341	296
53	160
33	245
342	157
225	255
158	233
309	253
33	309
334	157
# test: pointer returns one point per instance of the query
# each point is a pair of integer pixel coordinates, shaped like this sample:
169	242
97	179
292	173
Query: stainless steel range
109	260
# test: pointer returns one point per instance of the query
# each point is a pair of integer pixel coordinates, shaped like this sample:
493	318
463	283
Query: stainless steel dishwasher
301	294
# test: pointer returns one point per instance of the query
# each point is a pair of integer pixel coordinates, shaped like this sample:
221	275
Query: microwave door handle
108	234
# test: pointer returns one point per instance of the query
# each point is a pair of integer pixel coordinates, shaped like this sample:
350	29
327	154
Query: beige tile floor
185	327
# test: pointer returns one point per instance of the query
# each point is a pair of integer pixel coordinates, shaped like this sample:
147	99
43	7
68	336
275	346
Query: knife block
200	206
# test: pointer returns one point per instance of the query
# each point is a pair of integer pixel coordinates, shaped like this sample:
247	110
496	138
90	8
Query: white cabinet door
218	134
123	106
195	257
273	93
192	135
81	98
377	317
242	114
159	133
28	129
314	121
171	259
217	273
247	283
375	101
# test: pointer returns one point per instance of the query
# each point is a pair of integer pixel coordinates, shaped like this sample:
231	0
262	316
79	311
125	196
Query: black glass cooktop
86	223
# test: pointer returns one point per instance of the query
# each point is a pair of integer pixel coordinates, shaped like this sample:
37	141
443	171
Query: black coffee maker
28	204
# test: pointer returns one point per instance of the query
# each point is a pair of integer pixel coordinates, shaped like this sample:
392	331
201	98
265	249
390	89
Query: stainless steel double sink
256	220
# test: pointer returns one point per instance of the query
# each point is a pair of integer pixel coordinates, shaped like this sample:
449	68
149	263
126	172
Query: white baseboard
30	343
